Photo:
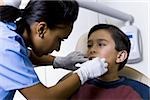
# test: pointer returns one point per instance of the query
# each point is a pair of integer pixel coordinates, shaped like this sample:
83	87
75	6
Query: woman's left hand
69	61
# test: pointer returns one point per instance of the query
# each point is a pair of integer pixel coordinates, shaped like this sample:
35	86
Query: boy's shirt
122	89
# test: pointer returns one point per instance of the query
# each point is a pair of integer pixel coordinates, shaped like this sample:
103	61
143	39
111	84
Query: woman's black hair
52	12
121	40
9	13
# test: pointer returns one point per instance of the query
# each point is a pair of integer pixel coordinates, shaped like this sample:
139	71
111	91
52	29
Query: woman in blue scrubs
42	25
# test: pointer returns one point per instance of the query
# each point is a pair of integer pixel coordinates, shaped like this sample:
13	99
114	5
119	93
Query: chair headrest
82	44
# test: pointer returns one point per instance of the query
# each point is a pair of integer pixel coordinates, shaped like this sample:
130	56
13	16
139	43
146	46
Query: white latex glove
69	61
14	3
91	69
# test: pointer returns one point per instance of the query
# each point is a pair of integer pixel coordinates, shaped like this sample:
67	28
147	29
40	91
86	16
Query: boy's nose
93	50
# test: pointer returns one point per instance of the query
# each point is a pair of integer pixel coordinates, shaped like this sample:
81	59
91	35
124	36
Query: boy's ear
41	29
122	55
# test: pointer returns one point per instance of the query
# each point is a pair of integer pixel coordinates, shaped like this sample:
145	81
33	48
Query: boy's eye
102	44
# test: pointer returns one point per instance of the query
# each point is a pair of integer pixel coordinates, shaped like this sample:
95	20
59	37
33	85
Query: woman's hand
69	61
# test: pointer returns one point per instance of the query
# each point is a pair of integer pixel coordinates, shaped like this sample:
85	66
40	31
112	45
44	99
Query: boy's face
101	44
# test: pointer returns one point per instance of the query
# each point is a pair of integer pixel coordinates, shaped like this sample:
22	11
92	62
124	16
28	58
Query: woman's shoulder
9	39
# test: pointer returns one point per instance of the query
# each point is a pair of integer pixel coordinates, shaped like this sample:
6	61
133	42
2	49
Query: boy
109	42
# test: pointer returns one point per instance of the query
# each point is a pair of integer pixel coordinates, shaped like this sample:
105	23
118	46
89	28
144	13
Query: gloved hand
69	61
91	69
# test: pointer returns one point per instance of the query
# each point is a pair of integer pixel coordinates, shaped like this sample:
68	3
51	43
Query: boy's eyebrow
99	40
102	40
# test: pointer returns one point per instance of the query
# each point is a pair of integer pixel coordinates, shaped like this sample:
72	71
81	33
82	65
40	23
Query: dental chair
126	71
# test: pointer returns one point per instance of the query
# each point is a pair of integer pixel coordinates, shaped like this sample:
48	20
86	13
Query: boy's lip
91	57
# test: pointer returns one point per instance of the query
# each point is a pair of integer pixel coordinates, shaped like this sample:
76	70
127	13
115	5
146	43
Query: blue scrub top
16	70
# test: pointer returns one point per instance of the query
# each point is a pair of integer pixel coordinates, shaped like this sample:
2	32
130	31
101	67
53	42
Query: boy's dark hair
121	40
53	12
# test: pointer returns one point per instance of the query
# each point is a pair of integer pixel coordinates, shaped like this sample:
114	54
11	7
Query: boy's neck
109	77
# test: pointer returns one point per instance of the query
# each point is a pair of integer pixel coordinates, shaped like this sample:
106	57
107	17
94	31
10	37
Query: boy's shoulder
133	82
